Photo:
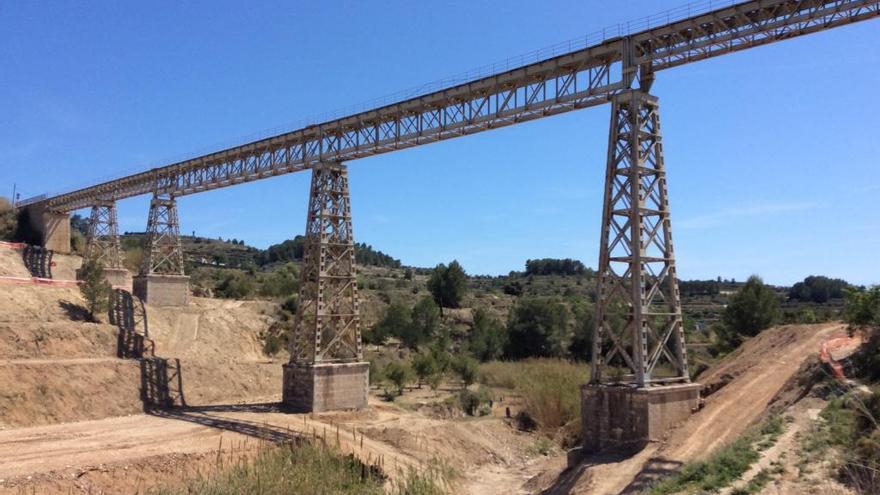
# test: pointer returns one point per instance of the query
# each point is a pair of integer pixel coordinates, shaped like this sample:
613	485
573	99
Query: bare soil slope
740	388
57	367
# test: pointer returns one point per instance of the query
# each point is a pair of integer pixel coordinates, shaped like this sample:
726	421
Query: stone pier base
162	290
326	387
620	417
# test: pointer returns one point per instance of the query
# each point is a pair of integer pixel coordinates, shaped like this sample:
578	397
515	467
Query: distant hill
234	253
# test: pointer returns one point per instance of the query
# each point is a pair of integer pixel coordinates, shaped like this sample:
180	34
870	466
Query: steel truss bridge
582	78
637	274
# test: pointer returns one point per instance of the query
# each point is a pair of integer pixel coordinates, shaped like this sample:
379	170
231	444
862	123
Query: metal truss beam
327	326
638	333
578	79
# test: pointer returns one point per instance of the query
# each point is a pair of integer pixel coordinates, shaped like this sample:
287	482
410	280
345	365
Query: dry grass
309	470
550	388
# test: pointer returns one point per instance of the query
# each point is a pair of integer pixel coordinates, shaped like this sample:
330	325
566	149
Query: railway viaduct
640	383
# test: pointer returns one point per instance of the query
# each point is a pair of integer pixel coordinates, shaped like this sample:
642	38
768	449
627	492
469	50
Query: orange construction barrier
38	281
835	349
12	245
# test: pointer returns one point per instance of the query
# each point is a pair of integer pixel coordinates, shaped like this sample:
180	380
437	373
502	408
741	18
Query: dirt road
56	458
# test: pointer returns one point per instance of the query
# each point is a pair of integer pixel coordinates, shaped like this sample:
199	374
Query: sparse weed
725	465
310	470
550	388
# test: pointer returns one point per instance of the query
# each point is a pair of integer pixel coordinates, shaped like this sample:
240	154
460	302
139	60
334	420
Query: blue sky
771	153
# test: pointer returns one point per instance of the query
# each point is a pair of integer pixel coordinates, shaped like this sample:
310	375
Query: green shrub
399	374
94	287
488	337
425	367
8	220
753	308
467	368
724	466
863	306
538	328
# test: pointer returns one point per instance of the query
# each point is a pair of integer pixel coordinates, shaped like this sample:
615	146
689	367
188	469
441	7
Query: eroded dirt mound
760	369
53	391
739	389
211	329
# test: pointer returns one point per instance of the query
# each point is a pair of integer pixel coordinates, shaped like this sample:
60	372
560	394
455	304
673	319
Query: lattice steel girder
102	237
638	325
327	326
579	79
162	251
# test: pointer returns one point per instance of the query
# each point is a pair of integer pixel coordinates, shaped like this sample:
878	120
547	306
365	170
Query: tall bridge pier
639	386
326	369
161	281
102	243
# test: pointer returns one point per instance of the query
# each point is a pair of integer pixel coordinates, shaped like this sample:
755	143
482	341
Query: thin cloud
721	217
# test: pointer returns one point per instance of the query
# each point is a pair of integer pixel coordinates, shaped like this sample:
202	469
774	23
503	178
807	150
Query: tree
863	306
281	282
396	321
538	328
94	288
551	266
753	308
448	285
424	367
398	374
467	368
79	223
235	285
8	220
488	337
424	321
581	347
818	289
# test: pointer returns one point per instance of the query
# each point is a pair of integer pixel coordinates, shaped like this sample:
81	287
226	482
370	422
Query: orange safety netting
835	350
38	281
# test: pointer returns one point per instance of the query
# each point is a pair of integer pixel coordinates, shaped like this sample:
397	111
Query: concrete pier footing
624	418
326	387
162	290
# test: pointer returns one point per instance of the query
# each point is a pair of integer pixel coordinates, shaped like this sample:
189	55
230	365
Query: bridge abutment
53	227
326	369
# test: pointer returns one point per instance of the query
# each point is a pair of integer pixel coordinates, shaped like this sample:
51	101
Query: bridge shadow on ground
38	260
253	429
162	380
653	470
